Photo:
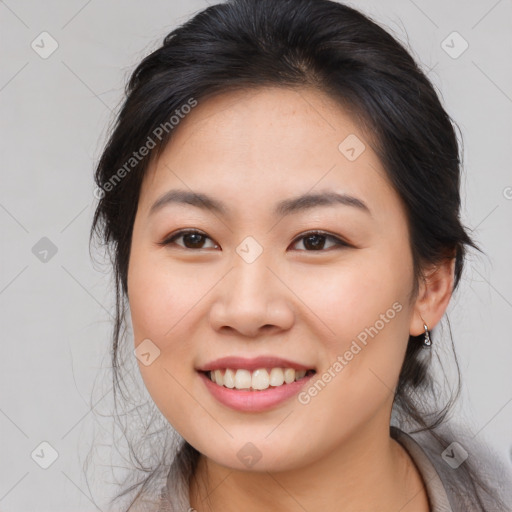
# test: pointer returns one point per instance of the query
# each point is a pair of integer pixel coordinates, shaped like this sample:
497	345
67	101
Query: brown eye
191	239
315	241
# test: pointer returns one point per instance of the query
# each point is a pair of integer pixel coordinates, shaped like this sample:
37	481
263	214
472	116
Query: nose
252	300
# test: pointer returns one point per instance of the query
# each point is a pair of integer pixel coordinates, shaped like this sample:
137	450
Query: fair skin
200	301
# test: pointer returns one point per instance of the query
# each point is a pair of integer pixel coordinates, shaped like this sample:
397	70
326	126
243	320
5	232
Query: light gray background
55	315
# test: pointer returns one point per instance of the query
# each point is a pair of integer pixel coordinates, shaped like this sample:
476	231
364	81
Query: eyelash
338	241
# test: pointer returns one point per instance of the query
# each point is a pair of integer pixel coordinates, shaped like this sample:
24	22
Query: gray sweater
437	465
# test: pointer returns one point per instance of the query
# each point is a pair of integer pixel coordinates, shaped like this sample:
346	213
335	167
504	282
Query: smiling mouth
257	380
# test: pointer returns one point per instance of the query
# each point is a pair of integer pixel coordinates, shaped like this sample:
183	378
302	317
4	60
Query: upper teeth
258	379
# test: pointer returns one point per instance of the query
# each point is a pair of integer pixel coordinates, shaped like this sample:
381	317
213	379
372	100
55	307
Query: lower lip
254	401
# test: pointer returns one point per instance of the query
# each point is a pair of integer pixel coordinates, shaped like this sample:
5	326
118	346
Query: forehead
245	119
267	143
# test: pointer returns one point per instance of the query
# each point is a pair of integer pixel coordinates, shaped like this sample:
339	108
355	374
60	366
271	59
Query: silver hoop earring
427	341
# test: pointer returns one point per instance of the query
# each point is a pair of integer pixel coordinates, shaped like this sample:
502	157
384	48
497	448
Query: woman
281	194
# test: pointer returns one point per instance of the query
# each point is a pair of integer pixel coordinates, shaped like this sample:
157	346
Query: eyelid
339	241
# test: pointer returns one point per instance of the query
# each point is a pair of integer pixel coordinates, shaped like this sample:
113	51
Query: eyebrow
283	208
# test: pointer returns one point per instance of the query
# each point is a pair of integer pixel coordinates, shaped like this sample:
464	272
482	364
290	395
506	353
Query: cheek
365	290
365	308
161	300
160	296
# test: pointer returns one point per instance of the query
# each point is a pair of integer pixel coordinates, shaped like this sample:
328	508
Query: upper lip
250	364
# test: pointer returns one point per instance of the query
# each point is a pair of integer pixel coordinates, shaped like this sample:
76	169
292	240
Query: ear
434	295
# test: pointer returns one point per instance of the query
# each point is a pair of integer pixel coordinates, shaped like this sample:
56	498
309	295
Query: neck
369	472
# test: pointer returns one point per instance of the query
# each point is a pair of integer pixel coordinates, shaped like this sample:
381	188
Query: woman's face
255	282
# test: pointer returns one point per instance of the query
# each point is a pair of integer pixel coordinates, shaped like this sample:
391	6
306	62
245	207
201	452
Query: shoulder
464	471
